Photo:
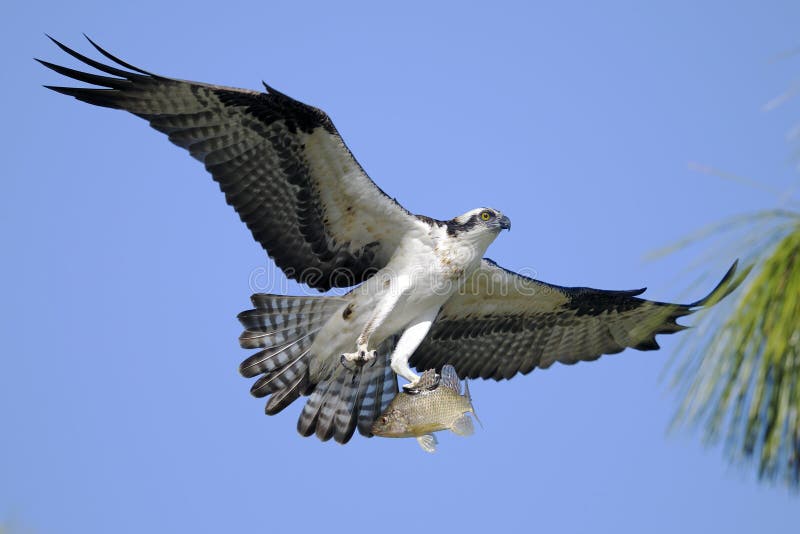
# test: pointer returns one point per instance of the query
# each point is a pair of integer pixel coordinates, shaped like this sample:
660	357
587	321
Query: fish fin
469	400
427	442
450	378
428	380
463	426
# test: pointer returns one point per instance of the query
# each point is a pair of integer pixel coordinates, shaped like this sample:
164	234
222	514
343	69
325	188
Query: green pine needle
740	375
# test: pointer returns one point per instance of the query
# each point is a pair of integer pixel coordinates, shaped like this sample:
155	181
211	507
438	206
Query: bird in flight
422	296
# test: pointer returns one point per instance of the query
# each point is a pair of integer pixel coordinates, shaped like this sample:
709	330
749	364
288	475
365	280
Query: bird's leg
407	344
362	354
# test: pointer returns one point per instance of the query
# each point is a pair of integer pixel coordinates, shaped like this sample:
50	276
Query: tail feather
350	399
275	357
281	378
268	323
336	414
346	415
286	303
277	311
327	410
283	398
284	328
307	423
377	395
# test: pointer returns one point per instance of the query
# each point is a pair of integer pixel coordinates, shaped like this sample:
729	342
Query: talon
360	357
347	365
413	388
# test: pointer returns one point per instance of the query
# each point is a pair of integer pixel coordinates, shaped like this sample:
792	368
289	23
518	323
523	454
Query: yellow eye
485	215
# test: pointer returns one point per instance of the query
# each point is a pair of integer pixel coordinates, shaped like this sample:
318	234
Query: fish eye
485	215
384	419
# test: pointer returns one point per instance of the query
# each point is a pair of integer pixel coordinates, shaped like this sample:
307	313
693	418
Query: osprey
423	294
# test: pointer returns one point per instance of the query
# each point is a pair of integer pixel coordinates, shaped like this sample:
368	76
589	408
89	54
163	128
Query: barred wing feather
281	164
503	323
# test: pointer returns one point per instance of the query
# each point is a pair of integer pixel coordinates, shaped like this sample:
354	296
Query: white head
479	219
481	225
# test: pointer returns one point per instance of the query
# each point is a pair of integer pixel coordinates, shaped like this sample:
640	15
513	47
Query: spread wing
281	164
504	323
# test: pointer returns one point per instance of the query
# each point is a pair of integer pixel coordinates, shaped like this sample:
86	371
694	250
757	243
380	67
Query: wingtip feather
103	81
117	60
108	69
726	286
98	97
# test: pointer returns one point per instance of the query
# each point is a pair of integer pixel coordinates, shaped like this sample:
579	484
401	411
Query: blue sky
124	269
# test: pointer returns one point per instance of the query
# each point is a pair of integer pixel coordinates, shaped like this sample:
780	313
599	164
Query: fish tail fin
352	397
284	328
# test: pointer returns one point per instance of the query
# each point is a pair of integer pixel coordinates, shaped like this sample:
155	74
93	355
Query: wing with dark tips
503	323
281	164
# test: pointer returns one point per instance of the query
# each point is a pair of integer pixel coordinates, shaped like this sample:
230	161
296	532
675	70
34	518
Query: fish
435	404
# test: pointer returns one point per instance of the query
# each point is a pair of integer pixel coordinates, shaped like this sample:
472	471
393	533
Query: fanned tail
352	398
284	327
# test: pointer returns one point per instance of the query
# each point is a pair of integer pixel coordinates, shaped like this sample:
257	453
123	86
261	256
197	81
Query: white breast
424	271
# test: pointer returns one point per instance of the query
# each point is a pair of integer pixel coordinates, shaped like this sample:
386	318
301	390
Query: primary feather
281	164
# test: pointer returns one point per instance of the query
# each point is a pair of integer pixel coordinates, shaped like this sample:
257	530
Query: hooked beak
505	223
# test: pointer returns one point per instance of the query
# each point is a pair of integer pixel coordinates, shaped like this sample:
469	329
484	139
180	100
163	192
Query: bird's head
480	220
479	227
